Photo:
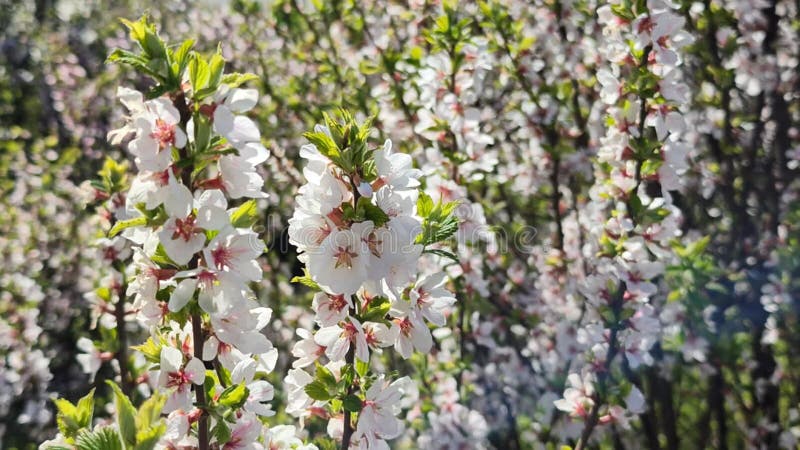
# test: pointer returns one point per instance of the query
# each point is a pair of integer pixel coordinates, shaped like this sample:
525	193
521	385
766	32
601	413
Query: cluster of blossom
544	62
193	256
632	188
356	226
453	425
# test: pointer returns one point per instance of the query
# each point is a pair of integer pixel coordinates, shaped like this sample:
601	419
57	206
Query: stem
180	103
122	339
555	201
200	393
347	431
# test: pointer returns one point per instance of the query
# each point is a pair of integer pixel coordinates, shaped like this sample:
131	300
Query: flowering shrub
494	224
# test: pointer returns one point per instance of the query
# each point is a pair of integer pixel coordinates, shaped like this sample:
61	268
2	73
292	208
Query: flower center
373	243
405	326
349	330
184	228
338	302
424	297
344	257
164	133
206	278
372	339
177	379
222	256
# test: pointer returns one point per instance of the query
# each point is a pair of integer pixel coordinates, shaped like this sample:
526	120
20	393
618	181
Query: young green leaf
245	215
126	414
105	438
234	396
317	390
124	224
352	403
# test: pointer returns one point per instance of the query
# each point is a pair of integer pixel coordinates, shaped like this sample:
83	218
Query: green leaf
161	258
85	409
126	414
372	212
138	30
325	376
234	396
224	376
245	215
378	308
436	228
124	224
352	403
67	418
71	418
325	145
362	367
317	390
216	66
202	133
105	438
307	281
113	176
148	438
210	384
199	73
133	60
424	204
236	79
150	349
181	57
150	411
442	253
222	432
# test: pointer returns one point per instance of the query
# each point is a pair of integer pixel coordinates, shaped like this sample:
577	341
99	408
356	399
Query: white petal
244	130
210	347
195	371
254	153
245	370
241	100
171	359
179	199
223	120
182	294
212	217
328	335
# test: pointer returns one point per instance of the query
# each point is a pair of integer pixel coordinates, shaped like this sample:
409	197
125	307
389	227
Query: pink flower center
164	134
405	326
222	256
424	297
344	257
337	302
646	25
372	339
185	228
178	379
206	278
349	330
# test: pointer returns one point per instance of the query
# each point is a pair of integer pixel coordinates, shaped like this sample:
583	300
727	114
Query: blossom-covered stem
349	359
179	101
617	304
602	375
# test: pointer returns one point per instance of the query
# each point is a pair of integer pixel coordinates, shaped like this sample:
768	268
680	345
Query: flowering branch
361	225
